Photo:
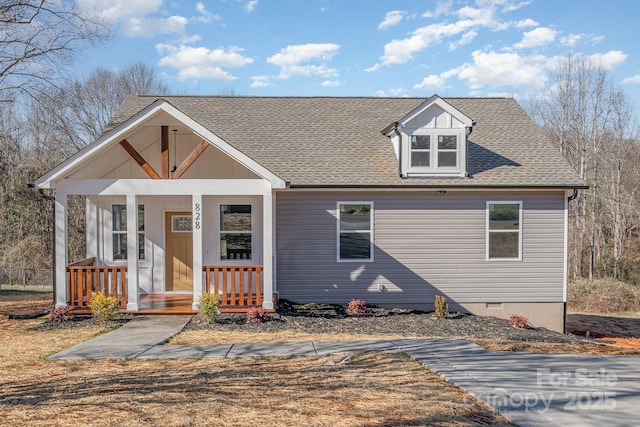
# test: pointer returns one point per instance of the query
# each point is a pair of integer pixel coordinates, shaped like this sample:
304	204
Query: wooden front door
179	251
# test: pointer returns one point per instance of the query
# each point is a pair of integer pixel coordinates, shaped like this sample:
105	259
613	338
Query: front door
179	251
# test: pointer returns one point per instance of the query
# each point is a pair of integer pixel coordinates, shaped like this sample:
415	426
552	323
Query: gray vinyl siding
425	244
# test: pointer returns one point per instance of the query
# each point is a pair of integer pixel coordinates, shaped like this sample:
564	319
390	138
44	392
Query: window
119	231
447	151
235	232
355	231
434	151
504	230
420	151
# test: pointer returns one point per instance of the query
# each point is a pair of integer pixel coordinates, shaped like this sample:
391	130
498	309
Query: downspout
42	194
466	149
571	198
399	134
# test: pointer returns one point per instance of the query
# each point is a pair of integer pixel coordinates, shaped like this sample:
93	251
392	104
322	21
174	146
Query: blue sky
367	47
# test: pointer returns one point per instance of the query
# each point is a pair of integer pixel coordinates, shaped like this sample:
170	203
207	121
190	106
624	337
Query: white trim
165	187
197	241
57	174
370	231
436	100
565	268
132	248
61	246
267	250
520	228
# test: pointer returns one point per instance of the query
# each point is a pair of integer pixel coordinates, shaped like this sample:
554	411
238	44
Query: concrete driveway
530	389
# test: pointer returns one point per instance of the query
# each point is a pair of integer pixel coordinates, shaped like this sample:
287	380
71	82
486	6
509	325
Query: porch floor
168	304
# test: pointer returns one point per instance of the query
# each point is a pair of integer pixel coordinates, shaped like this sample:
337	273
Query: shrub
519	321
60	314
208	307
256	315
103	307
357	307
442	308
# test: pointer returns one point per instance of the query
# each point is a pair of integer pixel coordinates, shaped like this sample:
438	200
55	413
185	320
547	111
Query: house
391	200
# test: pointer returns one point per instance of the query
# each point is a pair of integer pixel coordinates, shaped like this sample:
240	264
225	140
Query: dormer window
435	151
431	140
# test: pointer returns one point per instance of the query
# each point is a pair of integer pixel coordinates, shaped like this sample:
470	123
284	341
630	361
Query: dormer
431	140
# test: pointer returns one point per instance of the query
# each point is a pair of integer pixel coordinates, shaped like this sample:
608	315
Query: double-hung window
355	231
434	151
504	230
235	232
119	232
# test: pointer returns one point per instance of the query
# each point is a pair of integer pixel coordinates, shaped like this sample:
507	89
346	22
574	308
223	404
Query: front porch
239	288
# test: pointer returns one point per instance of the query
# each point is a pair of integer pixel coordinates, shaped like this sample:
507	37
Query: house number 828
196	216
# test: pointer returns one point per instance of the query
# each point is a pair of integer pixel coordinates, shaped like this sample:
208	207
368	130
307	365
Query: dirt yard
374	389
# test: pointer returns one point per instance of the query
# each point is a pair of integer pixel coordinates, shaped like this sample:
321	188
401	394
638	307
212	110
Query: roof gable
157	111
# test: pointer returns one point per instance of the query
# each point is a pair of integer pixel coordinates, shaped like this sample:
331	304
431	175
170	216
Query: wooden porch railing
84	277
236	286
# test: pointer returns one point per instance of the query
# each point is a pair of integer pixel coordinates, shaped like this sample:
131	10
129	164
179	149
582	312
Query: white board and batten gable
104	167
431	140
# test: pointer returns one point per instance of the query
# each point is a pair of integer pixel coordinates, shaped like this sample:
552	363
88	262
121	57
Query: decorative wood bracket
186	163
139	159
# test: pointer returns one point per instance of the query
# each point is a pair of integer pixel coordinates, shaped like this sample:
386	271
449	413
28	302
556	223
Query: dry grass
602	296
245	337
374	389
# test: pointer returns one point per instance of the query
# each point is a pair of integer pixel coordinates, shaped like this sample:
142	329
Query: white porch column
267	251
93	234
61	249
132	252
196	214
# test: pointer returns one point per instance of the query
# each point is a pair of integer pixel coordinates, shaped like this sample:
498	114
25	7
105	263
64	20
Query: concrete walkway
530	389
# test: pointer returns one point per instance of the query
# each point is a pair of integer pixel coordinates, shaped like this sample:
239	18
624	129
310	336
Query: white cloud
331	83
205	15
261	81
391	19
392	92
571	39
525	23
292	60
115	10
202	63
504	69
609	60
250	6
539	37
432	83
465	39
632	80
149	27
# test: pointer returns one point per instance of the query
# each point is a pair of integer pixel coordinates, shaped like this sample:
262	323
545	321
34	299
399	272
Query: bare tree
37	40
591	123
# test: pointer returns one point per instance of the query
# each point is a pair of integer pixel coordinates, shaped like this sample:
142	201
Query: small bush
520	322
103	307
208	307
442	308
60	314
357	307
256	315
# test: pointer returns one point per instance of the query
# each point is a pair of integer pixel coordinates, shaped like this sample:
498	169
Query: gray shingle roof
316	141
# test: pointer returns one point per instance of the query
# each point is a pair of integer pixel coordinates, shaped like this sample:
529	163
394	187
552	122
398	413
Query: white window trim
253	258
111	232
434	170
371	246
501	202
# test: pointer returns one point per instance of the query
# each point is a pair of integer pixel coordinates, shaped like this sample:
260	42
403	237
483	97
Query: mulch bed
335	319
329	318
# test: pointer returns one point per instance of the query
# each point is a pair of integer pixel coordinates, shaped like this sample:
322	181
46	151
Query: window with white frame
355	231
504	230
119	232
235	232
433	151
